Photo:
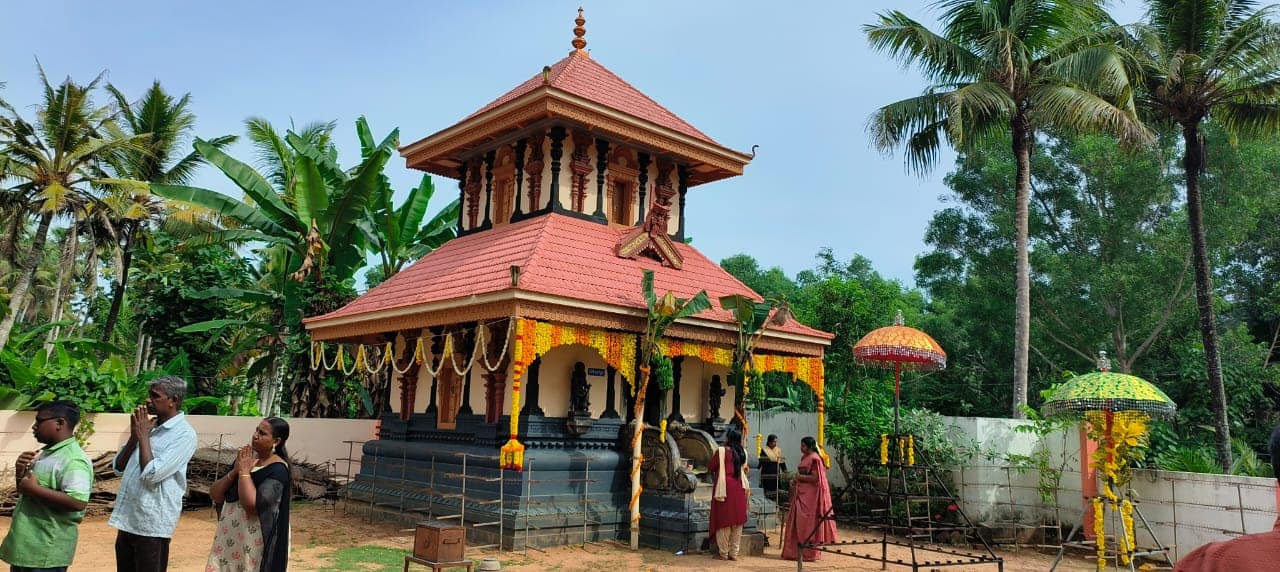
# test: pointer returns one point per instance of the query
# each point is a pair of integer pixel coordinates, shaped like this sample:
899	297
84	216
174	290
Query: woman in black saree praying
253	503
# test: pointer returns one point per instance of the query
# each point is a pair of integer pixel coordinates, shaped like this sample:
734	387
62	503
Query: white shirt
150	500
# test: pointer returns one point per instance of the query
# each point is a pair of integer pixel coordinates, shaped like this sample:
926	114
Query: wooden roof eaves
435	153
509	302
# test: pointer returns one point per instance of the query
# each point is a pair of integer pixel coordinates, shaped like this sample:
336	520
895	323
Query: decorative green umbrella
1109	392
1118	397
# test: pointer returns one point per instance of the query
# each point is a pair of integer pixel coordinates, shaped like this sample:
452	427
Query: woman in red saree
728	471
810	505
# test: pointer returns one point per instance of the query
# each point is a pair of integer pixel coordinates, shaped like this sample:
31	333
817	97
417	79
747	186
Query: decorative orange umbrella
899	347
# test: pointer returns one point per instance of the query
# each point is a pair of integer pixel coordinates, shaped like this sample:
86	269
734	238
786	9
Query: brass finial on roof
579	33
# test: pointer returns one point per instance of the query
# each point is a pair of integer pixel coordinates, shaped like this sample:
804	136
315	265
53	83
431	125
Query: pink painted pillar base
1089	478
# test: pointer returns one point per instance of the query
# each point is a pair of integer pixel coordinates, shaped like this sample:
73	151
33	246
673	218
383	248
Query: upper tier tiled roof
580	75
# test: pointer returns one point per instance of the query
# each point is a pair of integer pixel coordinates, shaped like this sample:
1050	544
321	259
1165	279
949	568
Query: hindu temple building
522	332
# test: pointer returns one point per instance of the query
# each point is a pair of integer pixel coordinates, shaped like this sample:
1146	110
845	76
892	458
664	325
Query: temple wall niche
695	380
553	379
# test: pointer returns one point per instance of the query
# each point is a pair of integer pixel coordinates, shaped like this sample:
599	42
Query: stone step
703	492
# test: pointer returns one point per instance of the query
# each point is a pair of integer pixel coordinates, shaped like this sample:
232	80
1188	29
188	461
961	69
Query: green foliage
944	445
1048	467
1189	459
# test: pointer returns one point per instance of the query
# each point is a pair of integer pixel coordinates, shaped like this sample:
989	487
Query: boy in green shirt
54	484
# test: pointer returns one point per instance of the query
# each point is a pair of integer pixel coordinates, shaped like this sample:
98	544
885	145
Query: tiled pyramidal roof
558	255
578	74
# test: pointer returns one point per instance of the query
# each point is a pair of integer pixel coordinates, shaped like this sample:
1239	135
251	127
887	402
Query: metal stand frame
1111	554
939	556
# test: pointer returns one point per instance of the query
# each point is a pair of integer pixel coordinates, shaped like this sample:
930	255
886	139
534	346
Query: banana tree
308	221
753	319
661	313
398	234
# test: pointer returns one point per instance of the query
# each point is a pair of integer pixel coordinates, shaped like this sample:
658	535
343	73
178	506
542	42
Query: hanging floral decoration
1123	437
884	448
1100	531
709	354
511	455
617	348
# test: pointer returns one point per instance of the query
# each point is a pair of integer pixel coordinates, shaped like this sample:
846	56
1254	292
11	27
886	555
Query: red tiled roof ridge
656	113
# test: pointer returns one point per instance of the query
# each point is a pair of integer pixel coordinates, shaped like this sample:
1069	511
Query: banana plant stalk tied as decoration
662	312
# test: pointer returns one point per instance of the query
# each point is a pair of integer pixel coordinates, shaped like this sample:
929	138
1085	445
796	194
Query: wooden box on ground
440	541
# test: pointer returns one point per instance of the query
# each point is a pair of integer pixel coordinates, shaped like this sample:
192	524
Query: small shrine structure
520	336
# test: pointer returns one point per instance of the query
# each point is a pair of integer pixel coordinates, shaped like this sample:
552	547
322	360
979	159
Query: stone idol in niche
580	420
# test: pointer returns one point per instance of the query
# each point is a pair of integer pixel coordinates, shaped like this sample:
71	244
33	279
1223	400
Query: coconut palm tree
1011	66
55	160
1203	59
168	123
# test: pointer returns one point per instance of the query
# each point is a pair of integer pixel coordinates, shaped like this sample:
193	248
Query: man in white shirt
154	463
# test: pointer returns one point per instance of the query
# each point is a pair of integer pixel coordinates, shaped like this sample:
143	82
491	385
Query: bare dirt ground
319	532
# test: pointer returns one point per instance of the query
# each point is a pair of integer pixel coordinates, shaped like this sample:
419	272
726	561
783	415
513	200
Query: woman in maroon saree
810	504
728	471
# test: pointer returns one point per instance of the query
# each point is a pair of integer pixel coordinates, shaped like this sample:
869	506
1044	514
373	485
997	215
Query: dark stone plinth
413	472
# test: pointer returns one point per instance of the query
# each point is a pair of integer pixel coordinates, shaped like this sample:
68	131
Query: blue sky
796	79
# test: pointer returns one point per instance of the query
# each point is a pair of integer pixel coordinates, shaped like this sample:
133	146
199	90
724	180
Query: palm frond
912	43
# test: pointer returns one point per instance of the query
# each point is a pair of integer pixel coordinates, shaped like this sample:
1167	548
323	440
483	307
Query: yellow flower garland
884	448
1126	518
911	450
511	456
1100	531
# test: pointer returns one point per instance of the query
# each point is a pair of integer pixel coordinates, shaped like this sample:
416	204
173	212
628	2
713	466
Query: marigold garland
911	450
1126	519
511	455
617	348
884	448
1100	531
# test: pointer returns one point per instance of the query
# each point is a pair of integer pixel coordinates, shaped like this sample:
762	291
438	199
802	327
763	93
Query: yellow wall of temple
553	379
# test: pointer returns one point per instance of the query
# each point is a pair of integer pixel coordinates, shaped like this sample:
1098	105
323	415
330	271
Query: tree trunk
9	240
1022	138
637	459
1193	163
117	295
66	266
19	297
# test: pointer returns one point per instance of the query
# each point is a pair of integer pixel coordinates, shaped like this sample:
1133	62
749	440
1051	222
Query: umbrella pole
897	394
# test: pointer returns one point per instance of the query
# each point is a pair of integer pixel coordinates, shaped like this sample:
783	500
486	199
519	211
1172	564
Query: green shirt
39	536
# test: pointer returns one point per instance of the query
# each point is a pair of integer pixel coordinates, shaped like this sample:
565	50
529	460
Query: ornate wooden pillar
437	346
467	342
642	161
408	382
488	189
533	169
495	382
602	164
557	152
462	191
683	174
532	390
677	367
521	145
581	167
473	198
610	395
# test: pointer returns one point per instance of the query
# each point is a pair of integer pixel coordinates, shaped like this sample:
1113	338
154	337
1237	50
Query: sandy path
318	531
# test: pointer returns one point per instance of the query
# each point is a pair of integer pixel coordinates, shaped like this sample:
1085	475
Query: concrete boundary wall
1185	510
313	440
